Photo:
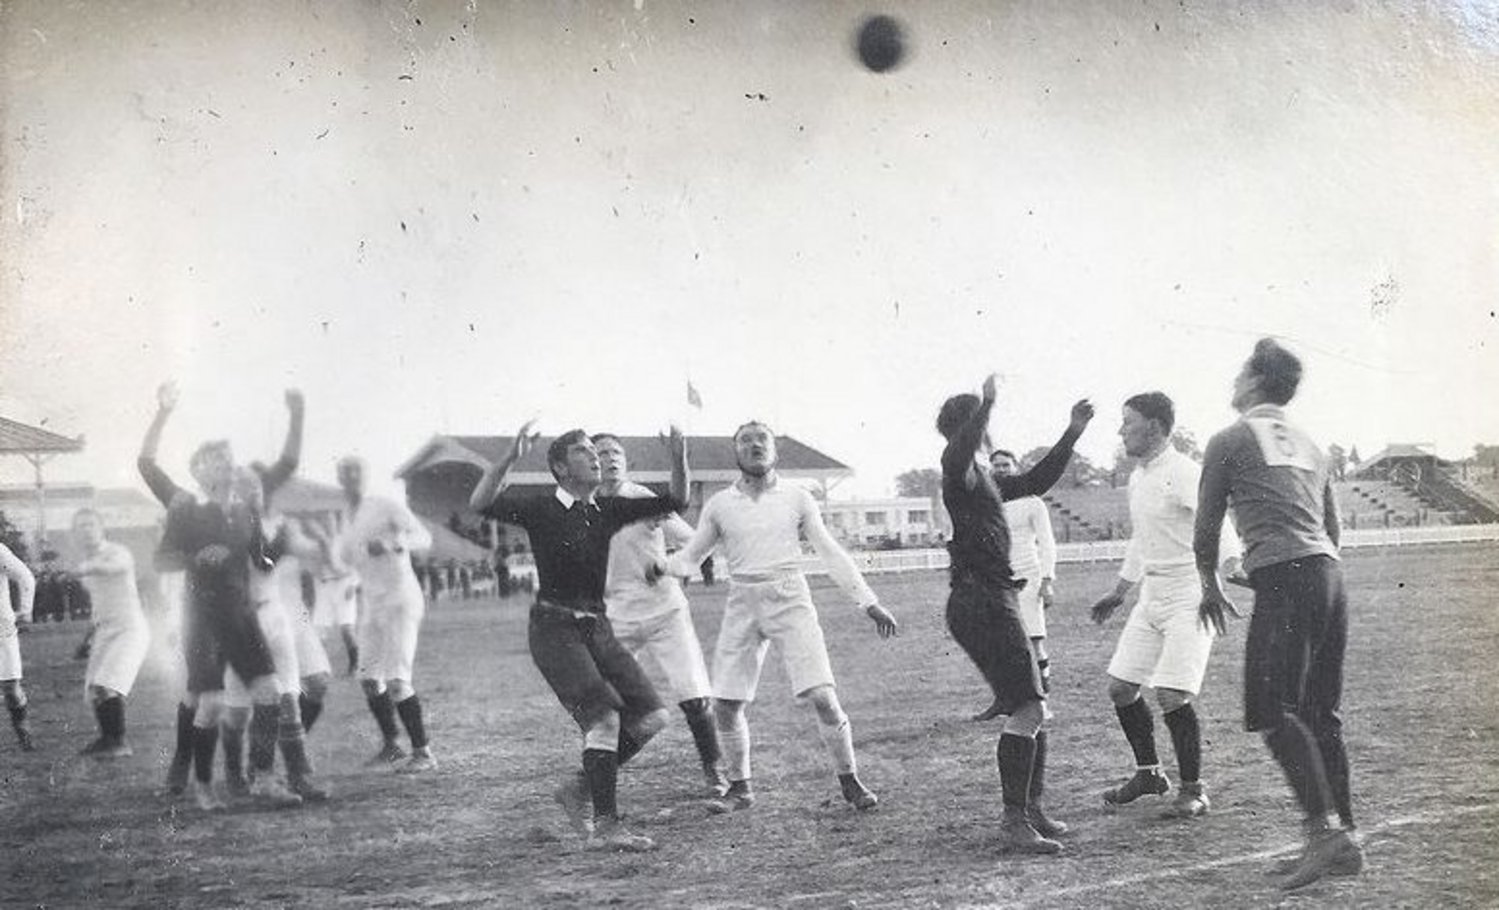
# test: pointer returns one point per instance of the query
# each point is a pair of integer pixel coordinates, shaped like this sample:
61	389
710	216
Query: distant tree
919	482
1353	460
1185	442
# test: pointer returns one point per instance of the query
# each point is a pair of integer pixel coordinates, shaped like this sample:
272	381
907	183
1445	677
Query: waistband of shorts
1171	570
554	608
751	579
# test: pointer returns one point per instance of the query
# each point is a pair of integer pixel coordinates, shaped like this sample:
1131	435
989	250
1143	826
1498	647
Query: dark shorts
1293	658
586	666
231	638
985	621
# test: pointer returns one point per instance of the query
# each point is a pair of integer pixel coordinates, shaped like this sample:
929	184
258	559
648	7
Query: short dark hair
752	423
1278	370
1006	453
557	451
1154	406
955	412
597	438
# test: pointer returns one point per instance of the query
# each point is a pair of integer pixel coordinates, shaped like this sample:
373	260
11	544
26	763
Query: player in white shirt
377	542
1162	644
13	570
757	525
335	594
651	619
1033	557
120	636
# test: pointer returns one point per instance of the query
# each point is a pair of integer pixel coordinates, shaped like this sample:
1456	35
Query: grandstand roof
17	438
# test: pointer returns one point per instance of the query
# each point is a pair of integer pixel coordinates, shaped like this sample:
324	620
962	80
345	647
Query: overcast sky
450	217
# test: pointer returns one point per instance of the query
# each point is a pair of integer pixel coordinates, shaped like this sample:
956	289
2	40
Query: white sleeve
1046	541
1134	563
13	568
413	534
685	562
839	564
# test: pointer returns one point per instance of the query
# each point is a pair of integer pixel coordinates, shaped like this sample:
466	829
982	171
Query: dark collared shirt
570	539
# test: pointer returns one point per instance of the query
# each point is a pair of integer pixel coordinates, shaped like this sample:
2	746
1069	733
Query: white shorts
668	641
10	645
1032	613
335	602
118	650
312	660
780	611
277	628
386	635
1163	645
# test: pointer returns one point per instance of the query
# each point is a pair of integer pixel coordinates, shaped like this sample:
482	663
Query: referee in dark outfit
571	641
983	610
1278	483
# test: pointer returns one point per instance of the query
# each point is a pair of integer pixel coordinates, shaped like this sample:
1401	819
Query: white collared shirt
1033	546
391	523
760	536
1162	514
633	550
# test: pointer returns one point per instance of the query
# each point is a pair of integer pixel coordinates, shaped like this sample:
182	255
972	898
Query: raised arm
12	568
1212	508
1046	472
162	486
676	445
962	448
495	479
685	562
291	450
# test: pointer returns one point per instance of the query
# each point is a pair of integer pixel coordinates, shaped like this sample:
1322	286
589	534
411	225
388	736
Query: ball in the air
880	43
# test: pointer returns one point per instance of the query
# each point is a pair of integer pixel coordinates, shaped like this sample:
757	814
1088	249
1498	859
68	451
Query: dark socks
16	704
311	711
265	723
629	747
601	769
1139	729
1335	764
1038	768
1186	738
385	714
205	741
111	716
233	739
410	710
1292	745
1017	756
704	730
184	754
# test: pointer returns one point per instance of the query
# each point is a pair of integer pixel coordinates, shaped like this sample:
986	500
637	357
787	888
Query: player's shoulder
632	490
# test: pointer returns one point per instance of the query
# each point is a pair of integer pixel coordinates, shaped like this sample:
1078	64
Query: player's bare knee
603	733
1122	693
649	725
401	689
315	687
824	700
372	687
727	711
1026	719
1172	699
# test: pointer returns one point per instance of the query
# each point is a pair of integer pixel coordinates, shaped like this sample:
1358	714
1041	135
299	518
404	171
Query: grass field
1421	708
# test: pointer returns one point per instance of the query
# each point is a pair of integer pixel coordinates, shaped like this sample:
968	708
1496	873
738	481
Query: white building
872	522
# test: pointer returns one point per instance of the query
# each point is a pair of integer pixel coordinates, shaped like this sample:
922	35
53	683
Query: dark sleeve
273	477
1044	475
619	511
957	458
512	510
1212	501
162	486
171	555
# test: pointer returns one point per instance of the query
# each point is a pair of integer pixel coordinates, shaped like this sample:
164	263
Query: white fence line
873	562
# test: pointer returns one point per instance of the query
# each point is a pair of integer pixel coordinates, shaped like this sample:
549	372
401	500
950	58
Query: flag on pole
693	398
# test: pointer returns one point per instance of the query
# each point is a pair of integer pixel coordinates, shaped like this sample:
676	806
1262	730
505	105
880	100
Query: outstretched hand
1082	413
1213	610
884	623
991	387
525	439
295	402
1106	606
166	396
673	440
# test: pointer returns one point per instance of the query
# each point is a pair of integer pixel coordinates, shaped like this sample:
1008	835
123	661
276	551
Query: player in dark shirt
983	612
570	638
215	540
